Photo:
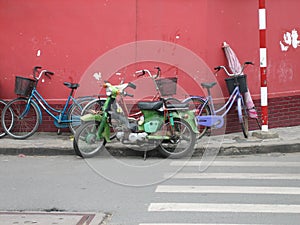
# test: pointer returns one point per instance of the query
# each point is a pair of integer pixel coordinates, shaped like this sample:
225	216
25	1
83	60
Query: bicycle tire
243	117
172	100
2	105
74	112
22	127
196	103
86	143
175	147
95	106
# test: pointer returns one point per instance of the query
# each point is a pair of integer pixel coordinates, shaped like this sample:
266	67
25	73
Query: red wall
76	37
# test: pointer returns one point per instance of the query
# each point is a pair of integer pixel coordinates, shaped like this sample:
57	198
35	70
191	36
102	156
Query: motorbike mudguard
189	117
97	117
91	117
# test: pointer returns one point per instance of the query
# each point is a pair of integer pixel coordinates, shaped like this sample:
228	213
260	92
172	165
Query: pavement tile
50	218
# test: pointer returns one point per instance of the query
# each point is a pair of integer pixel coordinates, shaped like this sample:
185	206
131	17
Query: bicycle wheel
25	119
172	100
181	144
75	111
196	103
86	142
243	116
94	106
2	105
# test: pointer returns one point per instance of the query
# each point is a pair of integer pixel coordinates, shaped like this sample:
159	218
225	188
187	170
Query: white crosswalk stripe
259	176
236	163
228	189
273	174
196	224
206	207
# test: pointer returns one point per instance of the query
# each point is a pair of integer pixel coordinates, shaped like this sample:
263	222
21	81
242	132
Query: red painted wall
73	36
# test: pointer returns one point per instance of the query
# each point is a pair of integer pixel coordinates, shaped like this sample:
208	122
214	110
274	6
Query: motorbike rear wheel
181	144
86	142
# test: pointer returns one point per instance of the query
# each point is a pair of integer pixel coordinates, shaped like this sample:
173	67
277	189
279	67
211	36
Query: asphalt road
252	189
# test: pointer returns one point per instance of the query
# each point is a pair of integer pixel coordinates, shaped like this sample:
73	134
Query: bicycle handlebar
144	71
46	72
218	68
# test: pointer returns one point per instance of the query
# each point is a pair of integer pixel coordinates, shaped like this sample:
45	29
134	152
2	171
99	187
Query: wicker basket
167	86
24	86
241	81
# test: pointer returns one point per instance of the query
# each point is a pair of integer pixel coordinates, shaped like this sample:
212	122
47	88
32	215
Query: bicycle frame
214	119
37	99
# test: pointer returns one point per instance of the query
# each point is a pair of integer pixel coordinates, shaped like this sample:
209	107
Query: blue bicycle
27	109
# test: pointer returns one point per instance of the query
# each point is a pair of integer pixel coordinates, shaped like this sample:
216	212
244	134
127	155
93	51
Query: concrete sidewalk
288	140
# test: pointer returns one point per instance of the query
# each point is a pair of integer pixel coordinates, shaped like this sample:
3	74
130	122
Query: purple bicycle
208	116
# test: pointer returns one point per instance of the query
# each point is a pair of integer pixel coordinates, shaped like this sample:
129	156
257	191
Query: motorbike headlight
108	91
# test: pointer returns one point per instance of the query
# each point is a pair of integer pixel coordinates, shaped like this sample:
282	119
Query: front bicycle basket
241	80
167	86
24	86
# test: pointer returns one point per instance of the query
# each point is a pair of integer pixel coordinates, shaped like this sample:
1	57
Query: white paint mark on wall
262	19
285	71
38	54
97	76
290	39
263	57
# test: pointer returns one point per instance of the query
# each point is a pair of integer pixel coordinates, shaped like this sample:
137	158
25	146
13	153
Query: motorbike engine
131	137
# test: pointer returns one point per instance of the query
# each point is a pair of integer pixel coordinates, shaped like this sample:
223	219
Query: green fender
189	117
91	117
97	117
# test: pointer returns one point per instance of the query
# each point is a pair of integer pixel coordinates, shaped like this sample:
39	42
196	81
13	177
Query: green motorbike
171	128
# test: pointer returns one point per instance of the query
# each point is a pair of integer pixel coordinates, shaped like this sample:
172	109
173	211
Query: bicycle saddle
208	85
71	85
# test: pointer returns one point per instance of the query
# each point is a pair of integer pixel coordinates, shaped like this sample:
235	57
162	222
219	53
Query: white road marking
228	189
210	207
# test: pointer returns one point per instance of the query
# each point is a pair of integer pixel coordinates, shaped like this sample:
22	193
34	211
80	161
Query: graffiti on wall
290	39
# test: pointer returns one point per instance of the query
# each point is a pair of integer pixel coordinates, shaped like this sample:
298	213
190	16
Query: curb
123	151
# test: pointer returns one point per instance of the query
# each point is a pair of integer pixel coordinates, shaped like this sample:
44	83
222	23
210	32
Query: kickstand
59	131
258	123
145	155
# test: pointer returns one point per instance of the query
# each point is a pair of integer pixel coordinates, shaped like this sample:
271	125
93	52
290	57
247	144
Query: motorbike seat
177	106
150	105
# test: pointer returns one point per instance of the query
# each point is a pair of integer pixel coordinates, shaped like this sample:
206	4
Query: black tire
196	103
243	117
86	143
75	111
22	127
2	131
95	106
182	144
172	100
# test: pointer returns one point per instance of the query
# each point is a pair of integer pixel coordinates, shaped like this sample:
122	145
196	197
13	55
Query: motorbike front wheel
86	141
181	143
